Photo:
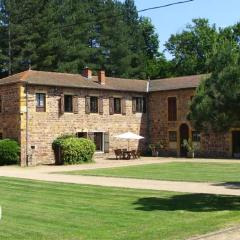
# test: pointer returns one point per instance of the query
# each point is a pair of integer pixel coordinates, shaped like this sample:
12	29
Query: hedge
74	150
9	152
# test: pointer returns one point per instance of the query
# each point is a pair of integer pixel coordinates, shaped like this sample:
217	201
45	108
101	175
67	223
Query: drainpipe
148	113
27	126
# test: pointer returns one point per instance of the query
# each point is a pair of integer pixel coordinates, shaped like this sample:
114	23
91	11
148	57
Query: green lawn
41	210
195	172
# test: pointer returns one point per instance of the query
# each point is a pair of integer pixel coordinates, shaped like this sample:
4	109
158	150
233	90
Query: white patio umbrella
129	136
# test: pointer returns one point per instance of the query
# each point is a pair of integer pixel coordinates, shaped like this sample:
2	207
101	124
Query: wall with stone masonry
45	127
10	115
211	145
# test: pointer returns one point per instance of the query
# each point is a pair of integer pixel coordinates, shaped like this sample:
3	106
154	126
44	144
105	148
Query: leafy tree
192	48
216	106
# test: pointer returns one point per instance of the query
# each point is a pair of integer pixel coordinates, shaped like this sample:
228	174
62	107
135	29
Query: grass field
194	172
45	211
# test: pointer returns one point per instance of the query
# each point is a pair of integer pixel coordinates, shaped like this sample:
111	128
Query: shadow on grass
231	185
190	202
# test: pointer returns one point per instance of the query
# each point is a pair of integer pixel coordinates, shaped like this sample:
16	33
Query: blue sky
174	19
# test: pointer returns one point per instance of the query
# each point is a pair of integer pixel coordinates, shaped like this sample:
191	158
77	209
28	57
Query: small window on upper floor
68	103
94	104
172	109
40	102
117	106
139	105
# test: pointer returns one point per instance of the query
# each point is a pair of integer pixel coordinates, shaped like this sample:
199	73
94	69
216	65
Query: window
196	136
82	134
1	136
139	104
94	104
68	103
172	136
40	102
117	106
172	109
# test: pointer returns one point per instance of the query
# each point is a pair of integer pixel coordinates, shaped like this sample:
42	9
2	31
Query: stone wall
44	127
10	115
211	145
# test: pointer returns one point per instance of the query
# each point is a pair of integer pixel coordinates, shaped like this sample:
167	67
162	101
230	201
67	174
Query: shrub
9	152
75	150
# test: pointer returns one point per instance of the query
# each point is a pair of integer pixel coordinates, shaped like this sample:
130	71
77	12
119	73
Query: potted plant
190	146
153	149
156	148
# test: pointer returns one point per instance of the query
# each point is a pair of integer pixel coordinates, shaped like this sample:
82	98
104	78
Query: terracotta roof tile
176	83
76	80
118	84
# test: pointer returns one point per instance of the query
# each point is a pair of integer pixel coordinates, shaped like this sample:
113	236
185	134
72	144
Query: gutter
27	126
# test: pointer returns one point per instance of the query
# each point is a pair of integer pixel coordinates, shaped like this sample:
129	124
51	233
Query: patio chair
134	154
118	154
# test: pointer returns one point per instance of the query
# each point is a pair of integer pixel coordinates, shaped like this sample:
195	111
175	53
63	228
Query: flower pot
190	155
155	153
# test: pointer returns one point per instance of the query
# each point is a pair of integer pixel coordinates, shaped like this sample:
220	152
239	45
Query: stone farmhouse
36	107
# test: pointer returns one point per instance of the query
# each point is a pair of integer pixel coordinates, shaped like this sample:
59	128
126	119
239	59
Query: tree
192	48
216	106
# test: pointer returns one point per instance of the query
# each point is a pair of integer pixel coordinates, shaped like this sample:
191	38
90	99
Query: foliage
193	47
75	150
157	147
9	152
216	106
68	35
189	145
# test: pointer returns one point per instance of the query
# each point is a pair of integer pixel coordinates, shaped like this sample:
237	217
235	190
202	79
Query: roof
176	83
116	84
76	81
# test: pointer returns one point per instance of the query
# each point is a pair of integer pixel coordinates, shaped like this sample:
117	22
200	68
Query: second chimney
87	73
101	77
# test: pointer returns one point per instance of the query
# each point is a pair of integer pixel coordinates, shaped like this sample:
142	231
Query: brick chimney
87	73
101	77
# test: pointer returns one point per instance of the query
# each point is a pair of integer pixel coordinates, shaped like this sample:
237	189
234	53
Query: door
98	140
184	134
236	144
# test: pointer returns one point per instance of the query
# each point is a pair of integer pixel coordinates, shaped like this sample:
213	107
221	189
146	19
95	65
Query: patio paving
226	234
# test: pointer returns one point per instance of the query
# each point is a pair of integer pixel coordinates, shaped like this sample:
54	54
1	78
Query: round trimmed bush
9	152
75	150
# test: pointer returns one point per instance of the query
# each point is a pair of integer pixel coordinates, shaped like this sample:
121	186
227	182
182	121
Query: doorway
98	140
184	134
236	144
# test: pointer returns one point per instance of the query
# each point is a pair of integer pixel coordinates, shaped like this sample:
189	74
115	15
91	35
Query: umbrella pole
128	145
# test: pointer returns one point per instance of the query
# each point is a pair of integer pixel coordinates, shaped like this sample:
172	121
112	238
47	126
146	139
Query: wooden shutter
106	142
100	105
111	105
87	105
75	104
1	105
144	105
62	107
134	105
172	109
123	103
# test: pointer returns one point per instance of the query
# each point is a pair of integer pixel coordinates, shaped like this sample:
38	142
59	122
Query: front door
184	134
236	144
